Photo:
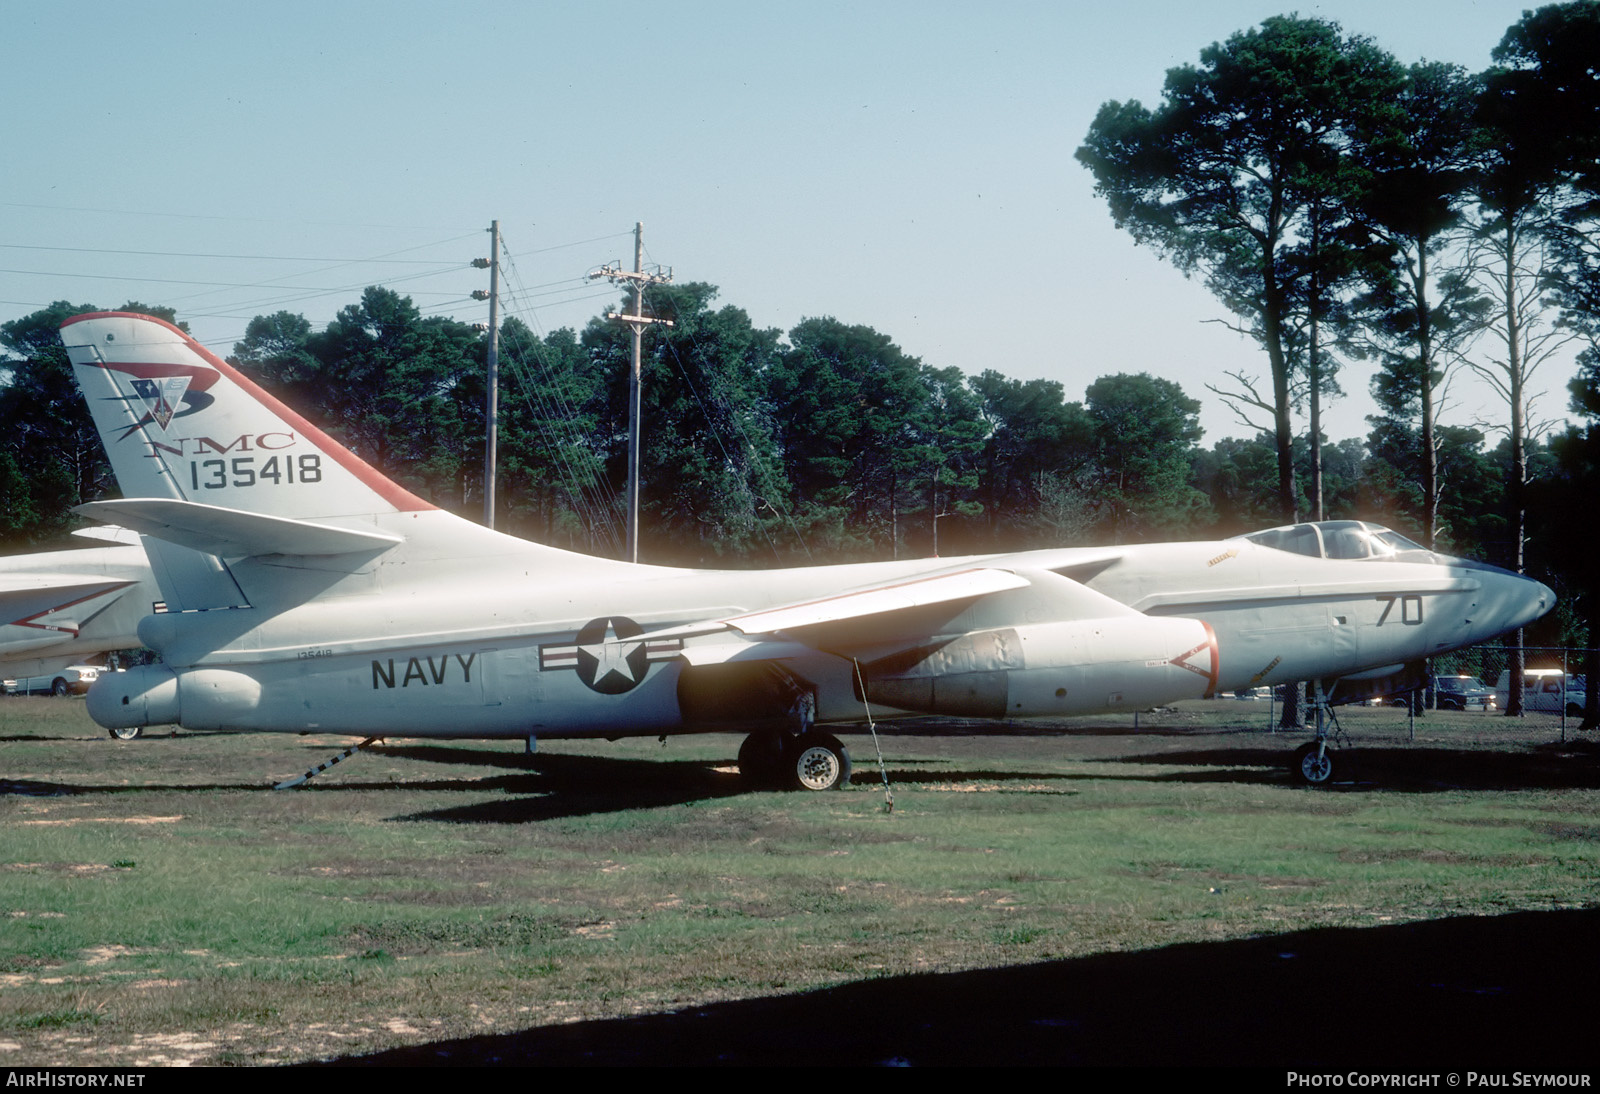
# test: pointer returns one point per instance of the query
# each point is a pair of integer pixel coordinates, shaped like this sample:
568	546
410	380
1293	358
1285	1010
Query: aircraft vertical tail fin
179	423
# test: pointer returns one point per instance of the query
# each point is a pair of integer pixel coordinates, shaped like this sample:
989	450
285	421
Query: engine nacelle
152	695
1052	669
146	695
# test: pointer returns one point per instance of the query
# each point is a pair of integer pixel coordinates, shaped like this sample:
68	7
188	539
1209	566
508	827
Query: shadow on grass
555	786
40	789
1575	765
540	787
961	727
547	786
100	736
1490	992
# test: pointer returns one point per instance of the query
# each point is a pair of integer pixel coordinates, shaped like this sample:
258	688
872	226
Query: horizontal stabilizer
232	533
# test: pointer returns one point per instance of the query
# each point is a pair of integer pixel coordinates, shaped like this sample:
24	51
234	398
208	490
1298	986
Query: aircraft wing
35	608
233	533
879	620
877	600
31	596
109	533
899	596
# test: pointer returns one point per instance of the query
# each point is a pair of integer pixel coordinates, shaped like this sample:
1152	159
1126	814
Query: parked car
1545	690
1461	693
1443	693
72	680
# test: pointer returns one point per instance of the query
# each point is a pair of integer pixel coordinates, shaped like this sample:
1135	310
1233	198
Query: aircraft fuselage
562	646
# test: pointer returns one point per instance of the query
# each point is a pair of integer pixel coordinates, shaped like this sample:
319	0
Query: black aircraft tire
761	761
131	733
817	761
1309	769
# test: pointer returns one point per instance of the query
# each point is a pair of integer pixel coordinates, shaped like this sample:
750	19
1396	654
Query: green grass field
160	903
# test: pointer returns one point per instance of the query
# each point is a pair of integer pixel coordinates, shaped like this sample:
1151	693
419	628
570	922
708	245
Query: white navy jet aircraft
305	592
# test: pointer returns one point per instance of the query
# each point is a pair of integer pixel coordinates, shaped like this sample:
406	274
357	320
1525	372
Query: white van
1545	690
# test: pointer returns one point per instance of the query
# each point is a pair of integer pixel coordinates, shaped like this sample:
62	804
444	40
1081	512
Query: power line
215	284
206	254
556	419
238	219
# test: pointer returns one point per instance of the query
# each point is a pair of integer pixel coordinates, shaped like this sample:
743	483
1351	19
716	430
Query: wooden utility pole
491	410
637	320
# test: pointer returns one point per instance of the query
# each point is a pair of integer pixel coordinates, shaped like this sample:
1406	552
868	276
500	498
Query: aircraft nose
1546	600
1507	600
1526	599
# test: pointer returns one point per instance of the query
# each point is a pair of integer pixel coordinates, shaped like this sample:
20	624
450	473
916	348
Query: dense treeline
1340	205
828	443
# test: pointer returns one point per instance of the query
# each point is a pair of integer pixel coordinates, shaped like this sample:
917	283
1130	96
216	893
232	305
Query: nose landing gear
1313	762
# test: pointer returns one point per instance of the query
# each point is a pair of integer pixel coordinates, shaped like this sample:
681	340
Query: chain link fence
1475	679
1487	663
1553	682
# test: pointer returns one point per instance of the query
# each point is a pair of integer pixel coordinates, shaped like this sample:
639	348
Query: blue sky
904	165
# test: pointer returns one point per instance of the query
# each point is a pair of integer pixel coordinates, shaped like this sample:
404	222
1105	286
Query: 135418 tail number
244	471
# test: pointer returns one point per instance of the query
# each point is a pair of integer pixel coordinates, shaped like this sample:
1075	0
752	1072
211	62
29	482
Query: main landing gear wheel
127	733
817	761
1311	767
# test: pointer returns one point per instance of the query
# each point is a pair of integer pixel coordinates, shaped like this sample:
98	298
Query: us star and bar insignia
611	654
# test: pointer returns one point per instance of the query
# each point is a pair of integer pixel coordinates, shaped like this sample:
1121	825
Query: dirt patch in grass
100	820
105	954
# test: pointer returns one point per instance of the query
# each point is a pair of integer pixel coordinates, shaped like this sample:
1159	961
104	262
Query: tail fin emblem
161	397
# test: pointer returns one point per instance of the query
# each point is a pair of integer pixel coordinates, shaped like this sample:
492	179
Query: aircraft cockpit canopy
1353	539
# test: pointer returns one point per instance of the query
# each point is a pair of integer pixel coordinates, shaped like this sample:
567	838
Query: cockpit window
1343	539
1346	539
1396	542
1301	539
